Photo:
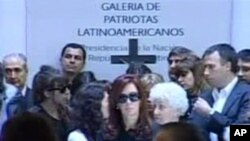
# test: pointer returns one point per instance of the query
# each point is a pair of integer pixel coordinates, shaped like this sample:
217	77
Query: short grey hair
18	56
171	93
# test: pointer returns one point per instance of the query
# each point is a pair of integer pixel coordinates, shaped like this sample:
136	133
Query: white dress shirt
220	98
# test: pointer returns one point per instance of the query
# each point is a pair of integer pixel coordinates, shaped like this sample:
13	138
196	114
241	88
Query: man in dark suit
15	72
229	100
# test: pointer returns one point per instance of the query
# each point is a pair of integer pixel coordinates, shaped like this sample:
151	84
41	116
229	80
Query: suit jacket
235	111
19	104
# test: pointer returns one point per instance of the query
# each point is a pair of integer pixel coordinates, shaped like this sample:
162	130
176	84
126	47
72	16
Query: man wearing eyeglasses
244	64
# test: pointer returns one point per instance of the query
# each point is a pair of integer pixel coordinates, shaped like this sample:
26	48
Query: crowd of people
202	98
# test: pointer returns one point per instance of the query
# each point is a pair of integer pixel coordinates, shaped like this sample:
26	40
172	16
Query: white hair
171	94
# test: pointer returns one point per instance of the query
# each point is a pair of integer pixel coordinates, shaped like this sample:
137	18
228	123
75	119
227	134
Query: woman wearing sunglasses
52	95
129	115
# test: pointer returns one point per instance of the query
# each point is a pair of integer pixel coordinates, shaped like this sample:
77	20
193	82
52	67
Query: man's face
174	60
15	72
215	71
244	70
72	60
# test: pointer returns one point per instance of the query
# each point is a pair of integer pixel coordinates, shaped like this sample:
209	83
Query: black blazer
20	104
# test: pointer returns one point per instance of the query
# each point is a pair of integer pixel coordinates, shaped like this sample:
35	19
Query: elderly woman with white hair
170	102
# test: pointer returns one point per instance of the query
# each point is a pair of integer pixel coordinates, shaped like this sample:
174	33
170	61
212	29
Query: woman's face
105	106
129	101
186	80
62	96
164	113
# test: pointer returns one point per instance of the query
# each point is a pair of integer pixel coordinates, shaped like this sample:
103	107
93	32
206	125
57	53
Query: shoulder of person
77	135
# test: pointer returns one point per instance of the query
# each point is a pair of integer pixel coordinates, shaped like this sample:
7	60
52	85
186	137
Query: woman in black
52	94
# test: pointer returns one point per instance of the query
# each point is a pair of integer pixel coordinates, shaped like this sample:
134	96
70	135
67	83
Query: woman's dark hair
179	131
143	129
86	109
28	127
46	79
82	79
138	68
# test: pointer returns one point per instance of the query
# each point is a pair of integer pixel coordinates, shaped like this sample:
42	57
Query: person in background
82	79
179	131
73	60
175	55
16	72
148	81
189	74
6	93
244	65
138	68
128	110
89	108
52	93
28	127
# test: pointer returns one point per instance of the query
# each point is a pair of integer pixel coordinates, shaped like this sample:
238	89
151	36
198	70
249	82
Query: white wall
241	24
12	27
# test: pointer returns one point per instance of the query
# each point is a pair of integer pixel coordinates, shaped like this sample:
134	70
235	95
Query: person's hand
202	107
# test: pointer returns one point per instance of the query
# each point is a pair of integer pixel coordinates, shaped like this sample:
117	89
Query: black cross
133	56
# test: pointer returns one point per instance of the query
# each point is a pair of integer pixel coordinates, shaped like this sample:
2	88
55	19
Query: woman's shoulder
77	135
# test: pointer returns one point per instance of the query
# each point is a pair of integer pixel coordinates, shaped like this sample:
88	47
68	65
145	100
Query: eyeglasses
133	97
61	89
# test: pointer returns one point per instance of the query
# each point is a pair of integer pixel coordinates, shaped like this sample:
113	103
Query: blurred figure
28	127
168	98
148	81
52	93
129	114
81	80
244	64
89	109
175	56
179	131
138	68
6	93
16	72
228	101
73	59
189	74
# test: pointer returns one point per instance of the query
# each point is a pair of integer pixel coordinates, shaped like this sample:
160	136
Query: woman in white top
89	108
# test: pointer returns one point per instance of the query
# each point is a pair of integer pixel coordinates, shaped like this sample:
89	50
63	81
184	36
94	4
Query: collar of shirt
24	90
225	92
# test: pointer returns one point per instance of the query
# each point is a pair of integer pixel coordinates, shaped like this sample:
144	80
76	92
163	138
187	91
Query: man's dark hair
138	68
244	55
227	54
179	51
74	46
179	131
28	127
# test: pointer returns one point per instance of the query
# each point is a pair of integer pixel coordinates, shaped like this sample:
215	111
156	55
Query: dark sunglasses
61	89
133	97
